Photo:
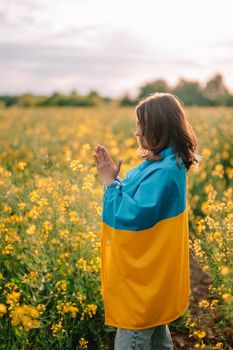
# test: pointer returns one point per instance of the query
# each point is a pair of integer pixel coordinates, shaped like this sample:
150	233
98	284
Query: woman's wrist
108	181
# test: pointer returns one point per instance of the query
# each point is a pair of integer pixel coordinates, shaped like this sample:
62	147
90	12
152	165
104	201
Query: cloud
112	63
4	20
219	43
20	12
72	31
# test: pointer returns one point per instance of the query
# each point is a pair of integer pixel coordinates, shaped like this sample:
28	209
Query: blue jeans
156	338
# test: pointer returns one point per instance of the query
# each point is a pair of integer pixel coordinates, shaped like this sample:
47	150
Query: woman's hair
163	123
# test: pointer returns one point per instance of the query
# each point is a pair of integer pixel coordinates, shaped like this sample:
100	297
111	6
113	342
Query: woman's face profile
138	131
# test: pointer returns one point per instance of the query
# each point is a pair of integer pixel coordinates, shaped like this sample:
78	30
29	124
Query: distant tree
190	92
126	101
56	99
107	100
74	93
215	87
93	93
8	100
216	90
94	97
27	100
159	85
227	100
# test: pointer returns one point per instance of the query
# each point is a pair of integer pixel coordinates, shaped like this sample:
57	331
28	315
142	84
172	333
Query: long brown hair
164	122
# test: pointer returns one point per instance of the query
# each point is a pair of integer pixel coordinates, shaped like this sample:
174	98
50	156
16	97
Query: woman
144	236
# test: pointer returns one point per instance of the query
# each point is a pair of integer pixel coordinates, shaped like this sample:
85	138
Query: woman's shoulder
169	167
167	172
136	169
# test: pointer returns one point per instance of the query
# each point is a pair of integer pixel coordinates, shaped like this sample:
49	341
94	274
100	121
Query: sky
112	47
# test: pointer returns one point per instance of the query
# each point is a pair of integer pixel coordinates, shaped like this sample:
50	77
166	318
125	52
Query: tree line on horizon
214	93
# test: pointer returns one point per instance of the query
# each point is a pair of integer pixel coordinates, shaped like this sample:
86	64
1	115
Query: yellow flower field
51	202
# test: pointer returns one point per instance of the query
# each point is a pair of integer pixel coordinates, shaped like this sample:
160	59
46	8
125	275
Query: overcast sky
112	46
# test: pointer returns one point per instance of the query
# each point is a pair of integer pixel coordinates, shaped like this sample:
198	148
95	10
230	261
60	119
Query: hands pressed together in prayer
105	166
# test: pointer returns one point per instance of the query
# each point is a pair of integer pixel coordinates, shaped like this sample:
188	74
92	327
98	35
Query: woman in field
144	229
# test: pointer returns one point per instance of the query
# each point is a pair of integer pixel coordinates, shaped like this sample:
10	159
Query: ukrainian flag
145	276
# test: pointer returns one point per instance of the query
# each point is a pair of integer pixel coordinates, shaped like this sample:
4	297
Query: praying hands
105	166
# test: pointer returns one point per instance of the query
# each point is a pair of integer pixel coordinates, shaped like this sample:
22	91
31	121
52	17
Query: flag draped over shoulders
145	277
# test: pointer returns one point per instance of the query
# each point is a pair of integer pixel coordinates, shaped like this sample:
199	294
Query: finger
108	155
101	156
97	150
104	155
99	153
96	159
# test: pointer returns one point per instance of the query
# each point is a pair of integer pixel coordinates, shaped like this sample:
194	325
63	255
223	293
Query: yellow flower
61	286
208	188
201	226
217	235
43	202
21	206
3	309
8	250
90	310
129	142
193	324
204	303
41	308
81	298
47	227
206	152
74	217
218	171
34	196
7	208
83	343
33	311
26	321
73	311
82	264
86	147
23	314
200	334
31	229
33	213
63	233
13	297
21	165
204	207
227	297
30	278
214	302
76	164
55	328
218	346
229	172
225	270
